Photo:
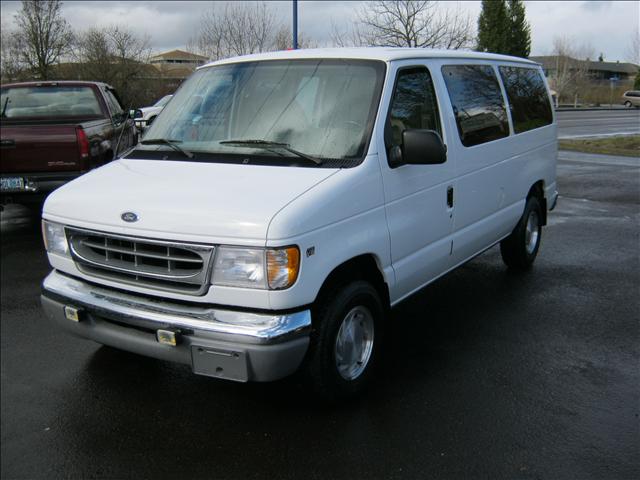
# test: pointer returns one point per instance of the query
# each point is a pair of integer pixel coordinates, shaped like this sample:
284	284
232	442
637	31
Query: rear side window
413	105
477	103
49	101
527	94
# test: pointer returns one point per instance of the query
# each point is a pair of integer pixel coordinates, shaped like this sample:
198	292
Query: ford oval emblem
129	217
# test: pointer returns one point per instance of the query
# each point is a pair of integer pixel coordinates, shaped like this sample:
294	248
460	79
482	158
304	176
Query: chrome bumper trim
248	327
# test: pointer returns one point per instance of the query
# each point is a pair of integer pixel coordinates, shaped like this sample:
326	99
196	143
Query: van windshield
321	108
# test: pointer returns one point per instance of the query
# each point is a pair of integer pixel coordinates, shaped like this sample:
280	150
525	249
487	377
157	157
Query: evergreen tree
519	32
503	28
492	26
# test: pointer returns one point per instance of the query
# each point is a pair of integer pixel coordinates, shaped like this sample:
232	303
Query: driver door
419	198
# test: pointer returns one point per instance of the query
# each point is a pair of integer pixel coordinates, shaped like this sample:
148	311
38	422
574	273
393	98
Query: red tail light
83	143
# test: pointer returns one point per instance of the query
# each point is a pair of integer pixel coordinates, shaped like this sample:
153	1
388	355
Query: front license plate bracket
220	363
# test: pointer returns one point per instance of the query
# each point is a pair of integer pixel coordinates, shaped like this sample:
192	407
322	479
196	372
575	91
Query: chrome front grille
158	264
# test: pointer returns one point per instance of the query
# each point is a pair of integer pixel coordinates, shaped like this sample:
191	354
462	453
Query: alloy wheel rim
354	343
532	232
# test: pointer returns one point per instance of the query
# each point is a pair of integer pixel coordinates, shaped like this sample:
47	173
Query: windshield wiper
268	144
169	143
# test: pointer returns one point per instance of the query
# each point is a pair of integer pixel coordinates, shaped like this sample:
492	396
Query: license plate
11	183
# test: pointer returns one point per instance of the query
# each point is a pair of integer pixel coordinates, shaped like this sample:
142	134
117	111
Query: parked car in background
631	98
146	115
53	132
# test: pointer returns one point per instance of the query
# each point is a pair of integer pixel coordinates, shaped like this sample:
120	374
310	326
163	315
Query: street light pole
295	24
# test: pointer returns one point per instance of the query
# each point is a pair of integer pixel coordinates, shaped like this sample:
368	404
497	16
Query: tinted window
528	98
477	103
413	105
49	101
114	105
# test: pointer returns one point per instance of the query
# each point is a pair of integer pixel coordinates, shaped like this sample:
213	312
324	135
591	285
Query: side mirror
118	118
419	147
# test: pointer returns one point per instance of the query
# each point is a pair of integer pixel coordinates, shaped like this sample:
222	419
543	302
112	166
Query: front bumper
227	344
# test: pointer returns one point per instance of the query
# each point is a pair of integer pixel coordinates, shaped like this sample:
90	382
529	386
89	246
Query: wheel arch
362	267
537	190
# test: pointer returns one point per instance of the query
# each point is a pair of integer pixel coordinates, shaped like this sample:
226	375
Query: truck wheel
520	249
345	341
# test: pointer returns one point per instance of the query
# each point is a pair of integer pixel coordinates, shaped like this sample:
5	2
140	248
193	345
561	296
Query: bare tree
633	49
236	29
407	23
114	55
43	35
11	66
570	75
352	36
283	39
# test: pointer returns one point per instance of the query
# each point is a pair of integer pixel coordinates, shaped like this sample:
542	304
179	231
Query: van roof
386	54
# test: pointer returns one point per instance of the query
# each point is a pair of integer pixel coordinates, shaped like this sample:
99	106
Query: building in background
596	70
177	63
586	82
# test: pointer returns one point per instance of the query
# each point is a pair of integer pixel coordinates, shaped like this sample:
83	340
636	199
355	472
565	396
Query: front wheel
346	340
627	104
519	250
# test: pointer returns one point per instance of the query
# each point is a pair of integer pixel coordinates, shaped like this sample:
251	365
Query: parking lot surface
488	374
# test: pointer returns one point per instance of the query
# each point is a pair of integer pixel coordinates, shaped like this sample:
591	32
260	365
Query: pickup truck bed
55	131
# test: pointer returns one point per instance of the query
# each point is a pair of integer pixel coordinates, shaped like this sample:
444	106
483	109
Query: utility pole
295	24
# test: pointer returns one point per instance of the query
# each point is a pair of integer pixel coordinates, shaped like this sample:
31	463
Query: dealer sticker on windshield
11	184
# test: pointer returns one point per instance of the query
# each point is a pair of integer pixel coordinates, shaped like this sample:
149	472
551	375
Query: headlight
282	267
256	267
55	240
239	267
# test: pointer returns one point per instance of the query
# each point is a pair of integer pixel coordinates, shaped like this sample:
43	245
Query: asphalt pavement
589	123
487	374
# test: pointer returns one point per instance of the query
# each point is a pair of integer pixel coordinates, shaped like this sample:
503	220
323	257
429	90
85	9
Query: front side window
323	108
114	104
527	94
413	105
477	103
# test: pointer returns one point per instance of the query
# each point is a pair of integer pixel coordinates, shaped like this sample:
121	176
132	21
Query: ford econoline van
282	203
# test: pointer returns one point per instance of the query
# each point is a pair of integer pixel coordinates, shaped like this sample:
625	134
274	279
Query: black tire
627	104
332	310
519	250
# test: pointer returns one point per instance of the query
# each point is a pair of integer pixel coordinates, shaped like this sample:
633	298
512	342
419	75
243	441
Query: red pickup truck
53	132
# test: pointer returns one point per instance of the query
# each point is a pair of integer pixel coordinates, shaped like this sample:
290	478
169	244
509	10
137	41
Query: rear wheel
627	104
519	250
346	340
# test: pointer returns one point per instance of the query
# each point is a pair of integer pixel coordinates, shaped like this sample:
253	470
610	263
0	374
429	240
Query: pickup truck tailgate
39	148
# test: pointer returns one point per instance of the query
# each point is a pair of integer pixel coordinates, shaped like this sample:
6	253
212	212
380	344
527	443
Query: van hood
209	202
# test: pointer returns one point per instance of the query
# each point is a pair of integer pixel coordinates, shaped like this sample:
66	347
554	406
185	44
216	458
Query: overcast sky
607	26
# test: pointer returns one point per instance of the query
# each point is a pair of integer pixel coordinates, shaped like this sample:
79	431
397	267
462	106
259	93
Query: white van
283	202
